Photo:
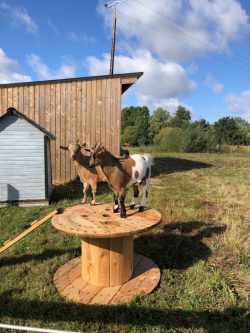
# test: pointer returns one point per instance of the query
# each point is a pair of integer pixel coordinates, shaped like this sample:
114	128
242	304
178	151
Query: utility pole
112	55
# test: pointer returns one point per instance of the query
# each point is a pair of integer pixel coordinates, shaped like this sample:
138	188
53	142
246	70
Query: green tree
130	136
200	139
202	124
231	131
158	120
135	125
244	126
181	118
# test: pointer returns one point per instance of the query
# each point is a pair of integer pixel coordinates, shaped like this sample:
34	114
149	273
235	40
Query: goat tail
149	158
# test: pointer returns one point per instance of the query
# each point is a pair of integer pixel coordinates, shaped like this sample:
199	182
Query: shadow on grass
73	190
168	165
231	320
178	245
47	254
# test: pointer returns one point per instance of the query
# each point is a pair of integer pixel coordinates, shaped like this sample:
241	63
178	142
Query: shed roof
127	79
14	112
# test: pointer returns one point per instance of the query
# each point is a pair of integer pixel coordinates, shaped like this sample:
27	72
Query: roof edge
14	112
74	79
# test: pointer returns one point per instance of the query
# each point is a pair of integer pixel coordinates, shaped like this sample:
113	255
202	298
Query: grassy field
202	248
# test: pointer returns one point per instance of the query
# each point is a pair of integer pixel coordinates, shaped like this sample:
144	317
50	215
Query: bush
191	139
201	140
170	139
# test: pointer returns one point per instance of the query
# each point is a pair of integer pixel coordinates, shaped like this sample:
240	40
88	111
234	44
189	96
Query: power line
179	28
183	41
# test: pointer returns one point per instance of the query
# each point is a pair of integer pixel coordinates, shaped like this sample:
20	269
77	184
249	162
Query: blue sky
193	52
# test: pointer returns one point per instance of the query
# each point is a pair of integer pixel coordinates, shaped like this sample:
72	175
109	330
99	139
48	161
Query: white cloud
169	104
157	36
10	71
79	38
161	82
52	26
179	30
214	85
19	17
239	104
45	73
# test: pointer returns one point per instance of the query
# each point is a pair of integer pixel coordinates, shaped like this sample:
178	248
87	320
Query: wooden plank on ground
34	225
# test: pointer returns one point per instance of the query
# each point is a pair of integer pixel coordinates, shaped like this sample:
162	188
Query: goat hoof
123	215
141	209
84	202
92	203
115	210
132	206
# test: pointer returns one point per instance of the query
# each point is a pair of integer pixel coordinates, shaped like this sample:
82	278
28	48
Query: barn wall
87	109
22	170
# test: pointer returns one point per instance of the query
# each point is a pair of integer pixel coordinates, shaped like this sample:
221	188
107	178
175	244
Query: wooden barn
25	168
88	108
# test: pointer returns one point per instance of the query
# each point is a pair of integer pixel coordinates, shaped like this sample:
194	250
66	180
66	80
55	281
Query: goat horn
99	145
63	147
94	147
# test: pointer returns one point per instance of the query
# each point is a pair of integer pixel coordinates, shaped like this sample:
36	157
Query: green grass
202	248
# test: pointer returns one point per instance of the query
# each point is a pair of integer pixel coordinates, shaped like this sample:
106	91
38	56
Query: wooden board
70	285
34	225
100	222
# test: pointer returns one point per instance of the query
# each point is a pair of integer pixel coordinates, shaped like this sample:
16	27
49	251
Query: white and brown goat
88	176
122	173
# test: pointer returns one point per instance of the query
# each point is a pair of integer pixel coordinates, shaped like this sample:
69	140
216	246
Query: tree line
177	132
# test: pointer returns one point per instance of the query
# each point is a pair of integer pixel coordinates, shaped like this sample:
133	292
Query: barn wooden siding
85	108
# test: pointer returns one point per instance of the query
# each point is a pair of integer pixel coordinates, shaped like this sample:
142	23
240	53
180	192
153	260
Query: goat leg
123	208
116	206
135	198
93	186
144	198
85	189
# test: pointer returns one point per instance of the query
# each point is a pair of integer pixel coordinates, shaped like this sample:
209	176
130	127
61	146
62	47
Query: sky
194	53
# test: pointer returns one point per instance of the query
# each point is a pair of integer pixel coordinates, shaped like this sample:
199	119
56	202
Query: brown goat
122	173
88	176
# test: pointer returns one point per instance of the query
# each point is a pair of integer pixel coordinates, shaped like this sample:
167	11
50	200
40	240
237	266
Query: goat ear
63	148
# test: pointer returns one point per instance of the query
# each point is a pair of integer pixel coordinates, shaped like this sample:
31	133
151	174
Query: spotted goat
122	173
88	176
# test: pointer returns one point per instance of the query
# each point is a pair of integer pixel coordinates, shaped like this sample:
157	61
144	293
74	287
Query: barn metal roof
14	112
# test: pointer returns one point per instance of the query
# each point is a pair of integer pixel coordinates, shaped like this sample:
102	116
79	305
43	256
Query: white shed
25	166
